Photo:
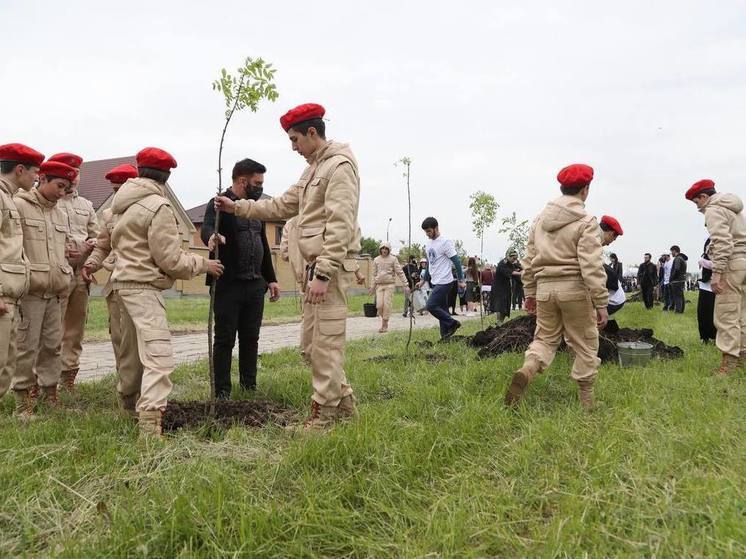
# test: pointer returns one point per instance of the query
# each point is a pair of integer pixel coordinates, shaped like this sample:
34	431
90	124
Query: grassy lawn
190	313
434	467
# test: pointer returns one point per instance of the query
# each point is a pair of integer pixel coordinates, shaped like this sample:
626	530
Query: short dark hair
709	192
606	227
429	223
613	256
676	248
246	168
317	123
648	255
572	190
8	166
154	174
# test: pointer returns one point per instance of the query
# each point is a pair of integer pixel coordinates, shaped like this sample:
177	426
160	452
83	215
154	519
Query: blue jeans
437	305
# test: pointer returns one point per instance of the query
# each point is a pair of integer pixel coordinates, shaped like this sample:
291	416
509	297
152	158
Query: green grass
187	314
434	467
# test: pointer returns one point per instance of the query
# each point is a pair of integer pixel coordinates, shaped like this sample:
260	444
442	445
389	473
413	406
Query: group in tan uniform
326	200
386	268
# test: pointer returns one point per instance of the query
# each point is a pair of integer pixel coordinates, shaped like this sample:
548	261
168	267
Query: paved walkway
97	360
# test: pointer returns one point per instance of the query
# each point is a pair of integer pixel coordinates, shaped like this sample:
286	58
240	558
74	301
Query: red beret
21	154
301	113
58	169
577	174
155	158
613	223
68	159
121	173
699	186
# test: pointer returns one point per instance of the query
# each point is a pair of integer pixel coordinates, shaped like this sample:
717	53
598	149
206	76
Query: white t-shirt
667	271
439	253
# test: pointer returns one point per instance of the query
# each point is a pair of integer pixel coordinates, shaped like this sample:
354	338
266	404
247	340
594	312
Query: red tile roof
93	184
197	213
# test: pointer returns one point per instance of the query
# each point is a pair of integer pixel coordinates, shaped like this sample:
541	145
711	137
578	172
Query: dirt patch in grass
429	357
228	413
517	334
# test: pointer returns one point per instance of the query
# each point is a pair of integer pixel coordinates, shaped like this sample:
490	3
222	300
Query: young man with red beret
726	224
19	170
611	230
83	225
565	285
326	200
103	257
45	238
147	259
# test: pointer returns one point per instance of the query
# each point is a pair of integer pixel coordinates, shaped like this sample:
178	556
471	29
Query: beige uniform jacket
326	200
386	269
102	255
45	235
14	268
289	249
81	219
145	239
726	224
564	243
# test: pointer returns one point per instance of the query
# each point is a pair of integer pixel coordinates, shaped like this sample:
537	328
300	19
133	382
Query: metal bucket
634	354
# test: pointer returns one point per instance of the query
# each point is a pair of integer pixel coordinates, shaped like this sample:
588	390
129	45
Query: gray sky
494	96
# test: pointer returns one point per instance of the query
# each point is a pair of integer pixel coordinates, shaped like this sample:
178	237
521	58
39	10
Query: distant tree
483	208
416	250
458	244
370	246
517	232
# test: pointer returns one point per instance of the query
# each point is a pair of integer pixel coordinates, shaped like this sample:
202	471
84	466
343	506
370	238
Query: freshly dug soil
228	413
517	334
429	357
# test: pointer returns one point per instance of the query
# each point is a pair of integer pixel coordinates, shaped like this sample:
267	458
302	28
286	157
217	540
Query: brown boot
67	380
128	403
25	405
585	393
520	381
48	396
728	364
321	419
347	408
150	424
741	360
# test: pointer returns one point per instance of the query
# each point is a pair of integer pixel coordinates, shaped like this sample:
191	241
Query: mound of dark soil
228	413
517	334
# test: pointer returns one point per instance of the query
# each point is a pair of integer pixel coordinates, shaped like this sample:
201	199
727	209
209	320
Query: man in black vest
239	293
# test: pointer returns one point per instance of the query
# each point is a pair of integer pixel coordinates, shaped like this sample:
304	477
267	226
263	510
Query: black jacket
706	272
678	269
647	275
229	252
612	279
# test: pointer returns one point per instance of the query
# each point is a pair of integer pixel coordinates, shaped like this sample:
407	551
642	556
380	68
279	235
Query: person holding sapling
565	285
326	200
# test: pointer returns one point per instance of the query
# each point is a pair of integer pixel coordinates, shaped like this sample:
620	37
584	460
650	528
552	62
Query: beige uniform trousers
146	360
38	340
74	313
115	325
730	309
327	324
564	307
384	299
8	328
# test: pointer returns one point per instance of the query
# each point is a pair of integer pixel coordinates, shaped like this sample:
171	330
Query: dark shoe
223	396
452	330
249	387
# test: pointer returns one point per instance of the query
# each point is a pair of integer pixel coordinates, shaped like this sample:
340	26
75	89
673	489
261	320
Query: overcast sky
494	96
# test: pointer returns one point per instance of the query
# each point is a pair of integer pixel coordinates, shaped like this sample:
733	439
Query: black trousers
647	295
677	296
239	306
706	315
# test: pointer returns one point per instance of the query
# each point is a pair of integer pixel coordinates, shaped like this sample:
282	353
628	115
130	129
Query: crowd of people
52	243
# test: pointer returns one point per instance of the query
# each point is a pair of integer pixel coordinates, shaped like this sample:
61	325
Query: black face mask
254	192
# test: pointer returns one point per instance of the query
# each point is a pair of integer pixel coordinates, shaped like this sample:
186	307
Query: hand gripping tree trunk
252	83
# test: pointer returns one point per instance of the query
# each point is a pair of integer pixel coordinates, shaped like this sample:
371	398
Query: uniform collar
41	200
8	186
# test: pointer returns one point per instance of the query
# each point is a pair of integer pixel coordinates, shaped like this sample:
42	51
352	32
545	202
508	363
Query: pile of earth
228	413
517	334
